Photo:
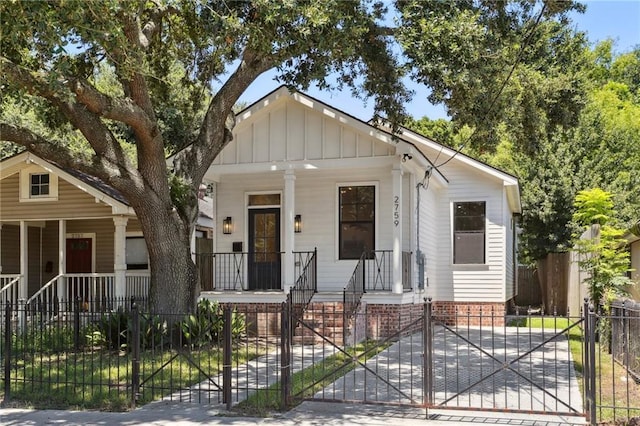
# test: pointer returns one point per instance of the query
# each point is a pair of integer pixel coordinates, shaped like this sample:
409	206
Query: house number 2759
396	208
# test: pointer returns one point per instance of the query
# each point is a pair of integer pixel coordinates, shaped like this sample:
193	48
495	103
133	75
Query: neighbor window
39	185
136	254
469	232
357	220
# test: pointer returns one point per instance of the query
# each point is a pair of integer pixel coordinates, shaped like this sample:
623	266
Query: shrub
205	326
114	331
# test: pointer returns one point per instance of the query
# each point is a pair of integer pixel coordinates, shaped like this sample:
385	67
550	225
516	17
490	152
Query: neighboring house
301	175
64	234
633	245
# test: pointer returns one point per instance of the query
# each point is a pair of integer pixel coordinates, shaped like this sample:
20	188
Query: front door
79	256
264	249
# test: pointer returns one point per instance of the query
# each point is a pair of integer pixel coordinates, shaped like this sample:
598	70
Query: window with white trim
469	228
136	254
39	185
357	219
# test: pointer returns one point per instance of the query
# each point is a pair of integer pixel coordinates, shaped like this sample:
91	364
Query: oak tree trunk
173	272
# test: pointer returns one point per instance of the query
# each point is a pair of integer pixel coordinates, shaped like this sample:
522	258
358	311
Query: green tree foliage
103	78
536	64
601	248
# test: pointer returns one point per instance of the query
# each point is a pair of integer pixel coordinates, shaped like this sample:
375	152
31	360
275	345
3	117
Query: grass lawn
101	379
615	389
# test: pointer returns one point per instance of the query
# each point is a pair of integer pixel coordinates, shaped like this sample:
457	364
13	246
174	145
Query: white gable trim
283	93
14	164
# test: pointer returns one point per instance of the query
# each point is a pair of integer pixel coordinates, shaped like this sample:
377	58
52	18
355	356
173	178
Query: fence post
135	353
285	352
76	324
427	359
591	355
226	367
22	315
7	354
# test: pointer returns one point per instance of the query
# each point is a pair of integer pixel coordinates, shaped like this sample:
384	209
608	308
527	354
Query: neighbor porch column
23	288
289	215
62	258
119	257
396	217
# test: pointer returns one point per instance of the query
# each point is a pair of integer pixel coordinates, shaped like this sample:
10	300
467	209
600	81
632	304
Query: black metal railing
352	293
407	270
379	270
242	271
306	281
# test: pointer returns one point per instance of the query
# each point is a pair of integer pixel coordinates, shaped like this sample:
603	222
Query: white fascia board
513	197
12	165
446	153
116	206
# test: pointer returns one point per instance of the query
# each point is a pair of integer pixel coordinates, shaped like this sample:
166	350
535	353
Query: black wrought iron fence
625	335
353	291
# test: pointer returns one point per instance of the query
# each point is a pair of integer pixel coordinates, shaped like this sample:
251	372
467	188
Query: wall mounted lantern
297	223
227	225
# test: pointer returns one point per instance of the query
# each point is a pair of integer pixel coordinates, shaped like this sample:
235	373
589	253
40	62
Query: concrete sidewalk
306	414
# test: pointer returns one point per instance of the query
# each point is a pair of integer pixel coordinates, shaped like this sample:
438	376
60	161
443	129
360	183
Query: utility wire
504	85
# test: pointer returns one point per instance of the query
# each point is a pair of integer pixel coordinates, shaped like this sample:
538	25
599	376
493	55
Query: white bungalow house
302	178
392	218
64	235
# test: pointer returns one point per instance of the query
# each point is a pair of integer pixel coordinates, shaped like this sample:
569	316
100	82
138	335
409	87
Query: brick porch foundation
470	313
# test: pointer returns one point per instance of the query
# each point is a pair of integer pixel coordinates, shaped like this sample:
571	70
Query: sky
603	19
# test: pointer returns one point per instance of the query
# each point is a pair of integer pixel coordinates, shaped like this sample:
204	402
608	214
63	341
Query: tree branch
58	153
218	123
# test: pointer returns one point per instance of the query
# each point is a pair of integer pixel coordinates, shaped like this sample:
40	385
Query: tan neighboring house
64	234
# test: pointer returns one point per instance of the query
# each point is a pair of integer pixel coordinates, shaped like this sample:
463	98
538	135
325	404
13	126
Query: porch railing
352	293
407	270
92	291
137	284
379	270
9	288
241	271
306	284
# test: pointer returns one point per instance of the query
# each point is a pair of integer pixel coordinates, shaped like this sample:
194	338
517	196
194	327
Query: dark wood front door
79	254
264	249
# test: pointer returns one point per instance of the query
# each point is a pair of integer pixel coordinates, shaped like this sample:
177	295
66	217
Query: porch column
23	288
289	242
396	216
119	257
0	248
62	258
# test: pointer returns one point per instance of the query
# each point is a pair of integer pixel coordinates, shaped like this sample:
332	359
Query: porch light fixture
297	224
227	225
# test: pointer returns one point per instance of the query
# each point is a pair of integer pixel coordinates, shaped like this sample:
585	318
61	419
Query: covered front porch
50	263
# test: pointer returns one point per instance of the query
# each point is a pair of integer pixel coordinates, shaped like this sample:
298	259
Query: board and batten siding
471	283
289	131
316	200
72	203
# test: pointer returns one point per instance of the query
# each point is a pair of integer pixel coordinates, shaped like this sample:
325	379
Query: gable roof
89	184
510	181
344	118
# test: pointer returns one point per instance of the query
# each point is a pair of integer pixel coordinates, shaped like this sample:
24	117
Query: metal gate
441	360
484	361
